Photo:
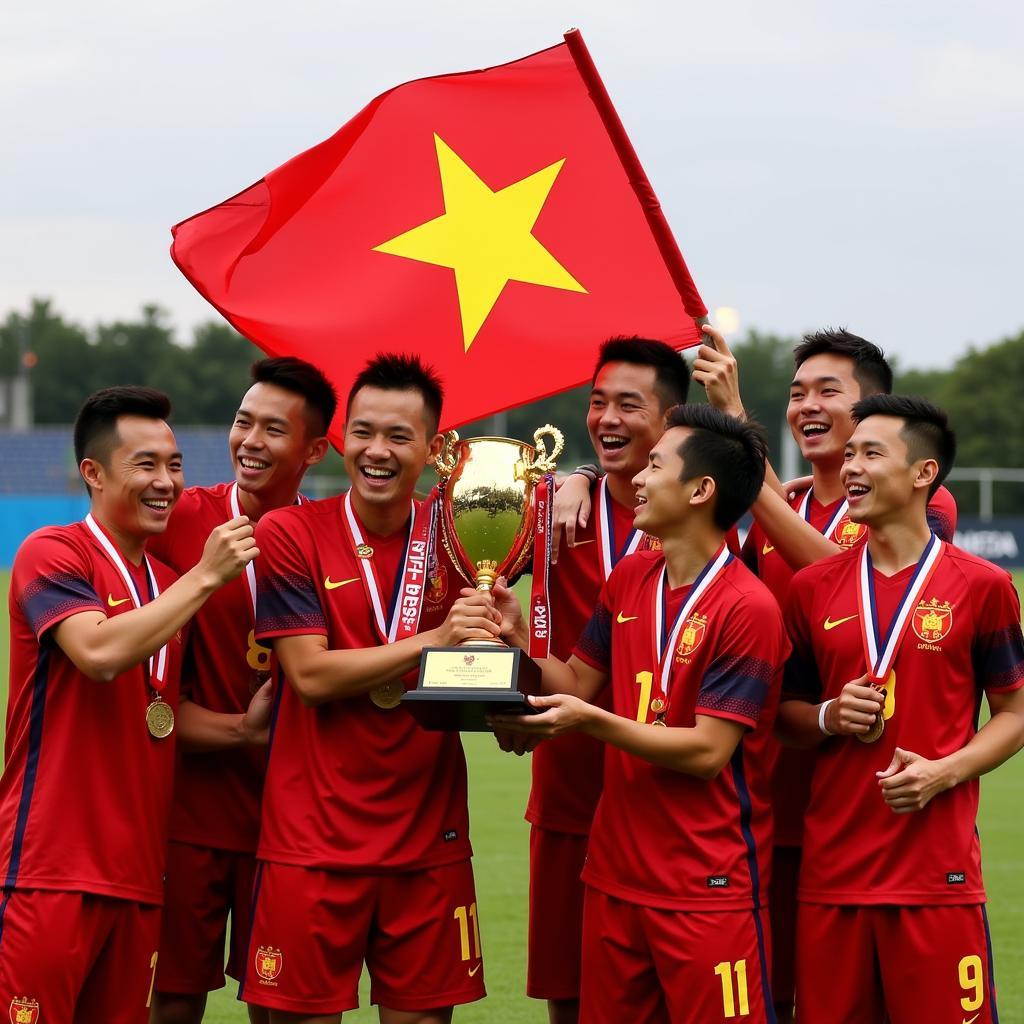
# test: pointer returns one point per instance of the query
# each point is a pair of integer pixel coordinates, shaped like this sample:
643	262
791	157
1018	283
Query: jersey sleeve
998	653
748	665
801	680
595	643
52	580
942	514
287	601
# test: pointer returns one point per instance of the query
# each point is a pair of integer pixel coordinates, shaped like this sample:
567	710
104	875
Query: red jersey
662	838
791	776
350	786
964	638
86	790
567	770
217	792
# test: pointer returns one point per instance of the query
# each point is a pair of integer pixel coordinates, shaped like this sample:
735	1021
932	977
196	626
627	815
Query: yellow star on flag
485	237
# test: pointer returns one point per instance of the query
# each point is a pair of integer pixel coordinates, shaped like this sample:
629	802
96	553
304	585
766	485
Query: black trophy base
443	702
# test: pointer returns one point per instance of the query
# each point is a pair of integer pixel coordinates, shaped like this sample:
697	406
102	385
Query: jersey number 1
464	915
725	971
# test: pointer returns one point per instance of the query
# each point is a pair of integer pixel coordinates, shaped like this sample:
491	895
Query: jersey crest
933	620
24	1010
437	590
848	533
269	962
691	636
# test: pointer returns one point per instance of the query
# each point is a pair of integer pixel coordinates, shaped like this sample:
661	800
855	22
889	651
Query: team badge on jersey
269	962
24	1010
933	620
848	533
437	589
691	635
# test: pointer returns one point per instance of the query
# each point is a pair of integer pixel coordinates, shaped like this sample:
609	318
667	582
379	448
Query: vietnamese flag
496	222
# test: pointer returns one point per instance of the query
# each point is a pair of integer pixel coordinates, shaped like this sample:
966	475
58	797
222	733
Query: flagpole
662	233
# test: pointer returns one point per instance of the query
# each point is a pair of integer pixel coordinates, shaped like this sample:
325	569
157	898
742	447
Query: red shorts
203	886
74	956
418	932
556	914
901	964
650	966
785	870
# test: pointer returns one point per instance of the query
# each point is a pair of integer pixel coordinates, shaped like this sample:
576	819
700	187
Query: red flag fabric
496	222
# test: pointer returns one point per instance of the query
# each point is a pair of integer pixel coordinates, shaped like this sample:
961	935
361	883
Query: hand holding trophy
495	513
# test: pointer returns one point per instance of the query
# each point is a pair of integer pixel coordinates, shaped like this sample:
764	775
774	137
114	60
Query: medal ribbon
605	530
805	511
158	678
250	568
403	613
540	591
878	655
665	640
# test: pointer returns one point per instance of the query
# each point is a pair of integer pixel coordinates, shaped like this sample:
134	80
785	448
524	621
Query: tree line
205	373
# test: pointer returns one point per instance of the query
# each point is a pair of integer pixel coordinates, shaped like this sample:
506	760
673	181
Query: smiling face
664	500
271	440
387	445
821	399
625	418
134	489
881	483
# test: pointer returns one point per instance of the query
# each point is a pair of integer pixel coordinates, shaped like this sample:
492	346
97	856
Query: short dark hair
393	371
96	423
729	450
671	374
870	368
926	430
302	378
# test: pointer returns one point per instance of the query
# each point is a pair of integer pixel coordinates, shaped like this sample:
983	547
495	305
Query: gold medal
657	705
387	696
659	721
159	719
874	734
364	551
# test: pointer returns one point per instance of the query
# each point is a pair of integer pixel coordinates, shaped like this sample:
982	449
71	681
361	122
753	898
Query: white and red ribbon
880	654
158	662
665	640
540	589
604	528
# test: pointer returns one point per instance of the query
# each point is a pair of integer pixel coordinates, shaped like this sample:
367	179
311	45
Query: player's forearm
201	729
799	543
109	646
796	725
772	481
997	741
328	675
558	677
687	750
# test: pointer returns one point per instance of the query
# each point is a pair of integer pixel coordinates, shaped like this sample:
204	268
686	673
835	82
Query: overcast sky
819	163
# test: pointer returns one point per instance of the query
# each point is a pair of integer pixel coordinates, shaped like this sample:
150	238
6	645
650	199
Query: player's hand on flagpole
910	781
228	550
472	617
855	709
256	720
572	509
715	368
559	713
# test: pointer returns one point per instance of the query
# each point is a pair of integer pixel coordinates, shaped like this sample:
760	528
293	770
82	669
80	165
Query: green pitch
498	789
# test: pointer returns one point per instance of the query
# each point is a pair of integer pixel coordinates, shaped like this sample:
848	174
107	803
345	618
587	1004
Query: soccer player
693	646
364	850
894	643
833	370
278	432
635	382
96	648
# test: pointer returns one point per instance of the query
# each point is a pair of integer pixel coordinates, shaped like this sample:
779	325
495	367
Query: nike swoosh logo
331	585
580	543
832	623
113	604
475	969
767	549
973	1019
626	618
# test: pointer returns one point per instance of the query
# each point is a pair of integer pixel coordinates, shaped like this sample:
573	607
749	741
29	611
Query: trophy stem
486	575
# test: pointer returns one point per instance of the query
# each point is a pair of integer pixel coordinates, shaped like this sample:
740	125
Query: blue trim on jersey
991	966
278	693
746	812
35	743
257	882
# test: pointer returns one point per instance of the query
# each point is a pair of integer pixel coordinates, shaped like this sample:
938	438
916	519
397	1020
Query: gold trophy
487	523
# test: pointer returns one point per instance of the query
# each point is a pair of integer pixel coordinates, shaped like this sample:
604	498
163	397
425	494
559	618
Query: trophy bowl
487	520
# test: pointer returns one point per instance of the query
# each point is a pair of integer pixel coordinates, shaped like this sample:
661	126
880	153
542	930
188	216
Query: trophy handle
542	462
447	461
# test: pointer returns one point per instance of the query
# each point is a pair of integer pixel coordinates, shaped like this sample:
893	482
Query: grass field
498	789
